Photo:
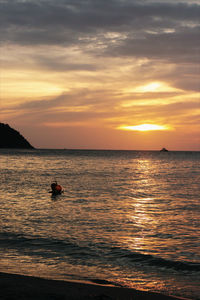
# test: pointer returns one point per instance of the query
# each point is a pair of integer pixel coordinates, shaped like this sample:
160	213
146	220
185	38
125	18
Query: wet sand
14	287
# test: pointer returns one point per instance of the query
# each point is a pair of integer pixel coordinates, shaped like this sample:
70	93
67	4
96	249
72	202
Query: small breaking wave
100	254
147	259
46	247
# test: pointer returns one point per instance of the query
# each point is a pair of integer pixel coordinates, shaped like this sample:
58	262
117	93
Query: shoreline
14	287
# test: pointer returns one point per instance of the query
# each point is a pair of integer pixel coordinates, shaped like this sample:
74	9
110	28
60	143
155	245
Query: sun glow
153	87
144	127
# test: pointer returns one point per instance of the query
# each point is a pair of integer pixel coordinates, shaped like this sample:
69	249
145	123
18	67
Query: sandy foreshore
14	287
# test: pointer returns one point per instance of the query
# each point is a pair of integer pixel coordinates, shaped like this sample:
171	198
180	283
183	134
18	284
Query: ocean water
126	217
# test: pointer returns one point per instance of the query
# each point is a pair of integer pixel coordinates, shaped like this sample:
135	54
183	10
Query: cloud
162	30
66	22
100	108
94	30
62	64
87	60
182	46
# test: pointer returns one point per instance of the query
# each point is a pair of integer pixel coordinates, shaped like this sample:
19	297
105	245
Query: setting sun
144	127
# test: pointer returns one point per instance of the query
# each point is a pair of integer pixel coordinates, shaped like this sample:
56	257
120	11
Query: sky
101	74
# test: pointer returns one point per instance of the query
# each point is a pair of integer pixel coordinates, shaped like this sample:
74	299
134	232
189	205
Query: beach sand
14	287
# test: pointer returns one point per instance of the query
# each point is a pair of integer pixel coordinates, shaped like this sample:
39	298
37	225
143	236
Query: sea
126	218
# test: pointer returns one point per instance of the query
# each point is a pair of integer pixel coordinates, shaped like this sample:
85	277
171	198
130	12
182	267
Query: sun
144	127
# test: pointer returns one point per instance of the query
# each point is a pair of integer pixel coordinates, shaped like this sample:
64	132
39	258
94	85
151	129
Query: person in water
56	188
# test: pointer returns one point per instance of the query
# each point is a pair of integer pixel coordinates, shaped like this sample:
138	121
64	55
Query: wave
47	247
98	253
148	259
161	262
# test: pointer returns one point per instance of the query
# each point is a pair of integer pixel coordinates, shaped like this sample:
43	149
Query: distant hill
11	138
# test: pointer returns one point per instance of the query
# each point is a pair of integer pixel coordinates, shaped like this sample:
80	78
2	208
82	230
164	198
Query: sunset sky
101	74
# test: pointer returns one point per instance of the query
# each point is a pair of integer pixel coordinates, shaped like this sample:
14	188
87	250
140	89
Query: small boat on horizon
164	150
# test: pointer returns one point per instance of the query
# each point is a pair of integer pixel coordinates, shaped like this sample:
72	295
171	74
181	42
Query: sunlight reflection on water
124	217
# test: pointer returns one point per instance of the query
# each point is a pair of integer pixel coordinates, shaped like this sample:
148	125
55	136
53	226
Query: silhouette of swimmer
56	188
